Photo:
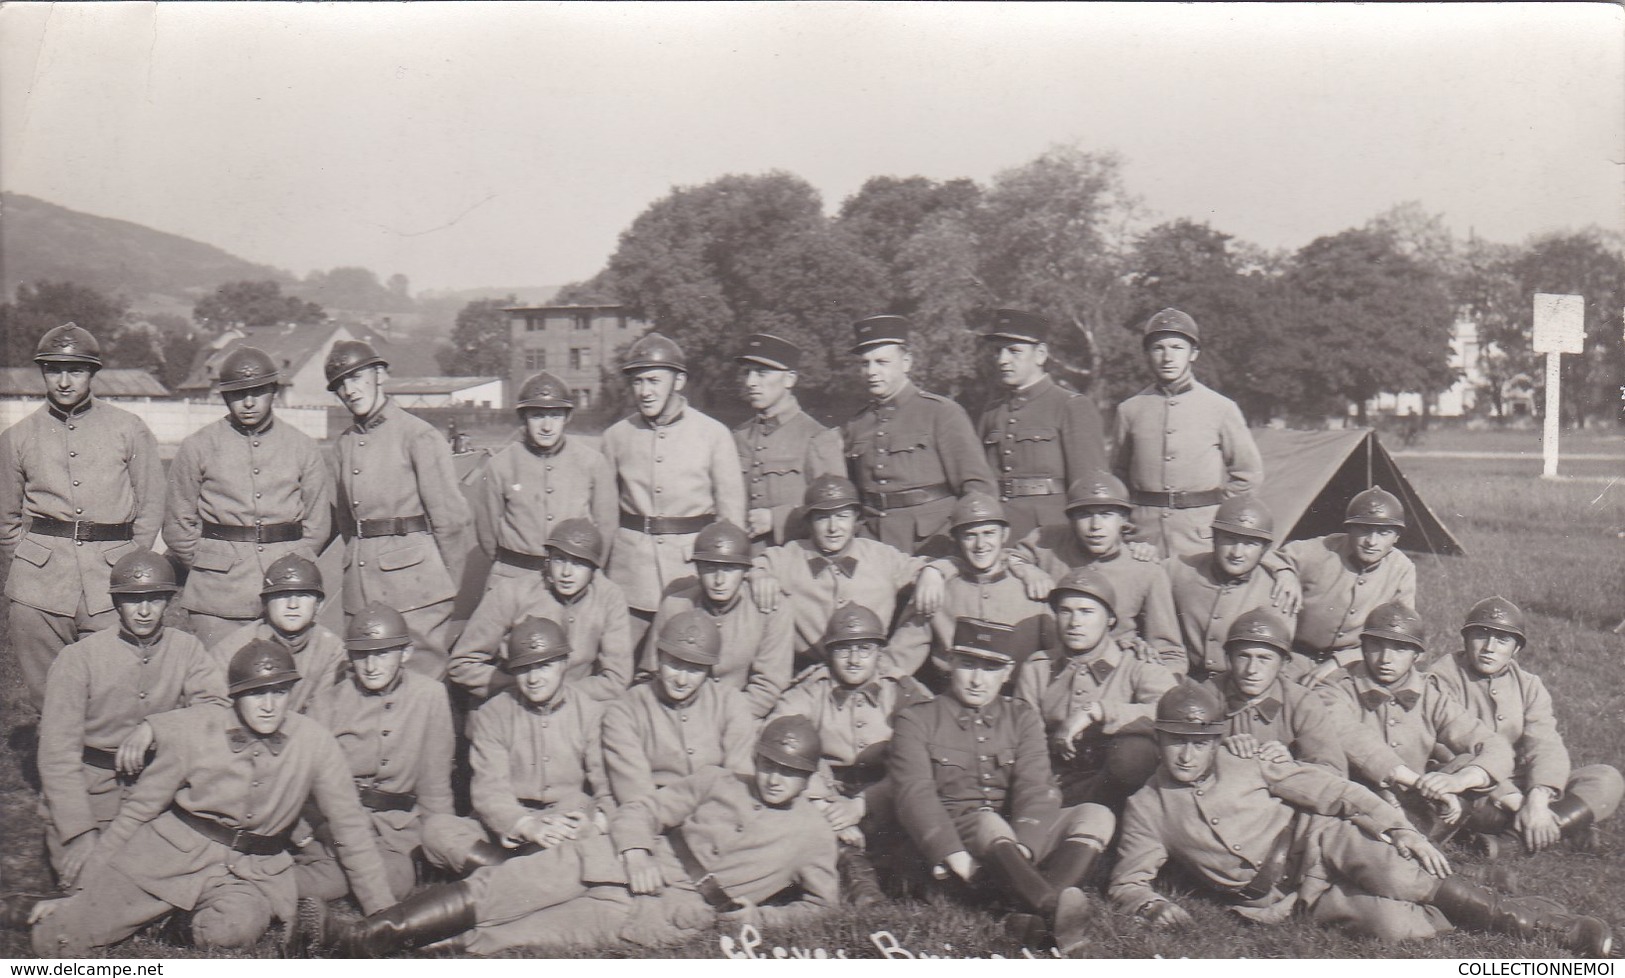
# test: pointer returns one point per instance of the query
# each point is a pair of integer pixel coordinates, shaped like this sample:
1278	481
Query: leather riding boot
1586	936
423	918
485	853
1574	816
1070	863
1020	876
1072	913
862	883
1477	907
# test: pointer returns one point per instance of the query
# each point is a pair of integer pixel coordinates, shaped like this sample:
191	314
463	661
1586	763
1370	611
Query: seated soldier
291	597
852	706
1211	589
1419	719
713	844
973	789
1272	837
97	692
1340	578
679	721
537	758
1096	701
1098	509
206	828
394	727
1545	799
756	656
572	592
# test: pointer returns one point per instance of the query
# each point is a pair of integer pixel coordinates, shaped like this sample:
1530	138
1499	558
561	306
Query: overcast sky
468	145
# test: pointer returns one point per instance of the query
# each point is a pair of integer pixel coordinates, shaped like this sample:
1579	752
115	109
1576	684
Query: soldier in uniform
1039	437
81	485
98	692
206	828
403	515
852	707
681	720
1270	837
243	492
394	727
1096	701
1547	799
756	646
974	791
911	453
678	473
538	761
1182	447
573	593
781	447
540	480
291	595
713	844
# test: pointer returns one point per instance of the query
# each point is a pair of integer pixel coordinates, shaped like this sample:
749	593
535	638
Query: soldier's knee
1600	786
1091	822
231	923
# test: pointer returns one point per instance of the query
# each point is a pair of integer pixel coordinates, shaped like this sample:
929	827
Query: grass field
1556	548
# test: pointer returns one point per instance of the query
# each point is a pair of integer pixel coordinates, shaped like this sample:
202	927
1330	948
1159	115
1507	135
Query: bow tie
1374	698
847	565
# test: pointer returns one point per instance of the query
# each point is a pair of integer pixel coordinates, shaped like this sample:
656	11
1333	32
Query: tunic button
256	471
550	489
1214	821
73	454
355	471
250	814
76	482
1198	792
258	495
660	458
146	659
1167	458
257	444
1236	847
361	563
254	784
79	512
691	750
141	695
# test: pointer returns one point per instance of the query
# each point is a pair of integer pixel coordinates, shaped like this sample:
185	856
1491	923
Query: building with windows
573	342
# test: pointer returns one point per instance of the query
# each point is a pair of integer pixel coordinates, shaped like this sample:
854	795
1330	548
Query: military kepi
1016	326
878	331
985	640
773	352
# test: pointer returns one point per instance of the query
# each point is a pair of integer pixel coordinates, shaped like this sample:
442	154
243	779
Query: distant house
299	352
415	392
112	383
572	342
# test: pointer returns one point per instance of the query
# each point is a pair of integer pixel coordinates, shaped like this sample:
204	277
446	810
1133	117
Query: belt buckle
77	524
1176	498
237	838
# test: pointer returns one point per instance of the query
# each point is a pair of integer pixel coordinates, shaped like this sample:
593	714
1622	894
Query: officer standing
242	492
404	519
1039	436
1182	447
781	448
911	453
81	485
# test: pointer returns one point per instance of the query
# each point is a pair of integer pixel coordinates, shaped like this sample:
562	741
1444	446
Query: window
535	359
620	321
581	358
534	325
582	397
583	320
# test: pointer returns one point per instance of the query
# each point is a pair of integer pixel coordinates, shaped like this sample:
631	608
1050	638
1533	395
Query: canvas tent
1309	477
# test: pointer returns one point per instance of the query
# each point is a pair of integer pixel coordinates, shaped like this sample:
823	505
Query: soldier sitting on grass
291	597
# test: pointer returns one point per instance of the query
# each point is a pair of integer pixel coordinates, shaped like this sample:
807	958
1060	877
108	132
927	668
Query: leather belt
1033	486
1188	499
84	531
514	558
662	525
242	840
259	533
391	526
378	800
535	804
704	882
904	498
859	775
97	758
1317	656
1272	870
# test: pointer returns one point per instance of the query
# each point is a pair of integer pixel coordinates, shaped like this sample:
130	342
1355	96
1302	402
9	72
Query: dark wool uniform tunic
779	453
1042	433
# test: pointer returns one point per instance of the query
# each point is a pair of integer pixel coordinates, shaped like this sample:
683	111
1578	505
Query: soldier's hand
44	909
132	753
853	837
745	912
1142	551
1066	738
76	854
1140	649
1437	786
1033	578
1242	745
1536	823
962	864
759	522
643	874
1450	810
764	590
929	590
844	813
1414	845
1287	593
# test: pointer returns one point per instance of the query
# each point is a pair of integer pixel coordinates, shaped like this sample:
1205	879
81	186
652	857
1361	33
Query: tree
887	213
252	304
45	305
1488	292
481	340
355	289
135	346
1589	264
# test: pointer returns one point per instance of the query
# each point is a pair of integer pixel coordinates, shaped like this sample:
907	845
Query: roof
594	307
110	382
434	385
289	345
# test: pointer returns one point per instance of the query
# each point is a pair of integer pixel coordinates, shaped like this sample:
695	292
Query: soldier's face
765	387
680	680
1188	757
1372	543
1490	650
1387	660
1253	667
568	575
1099	528
1082	621
652	389
66	384
777	784
720	581
363	391
976	681
541	682
832	529
981	544
141	614
1236	555
263	710
1020	364
544	427
292	612
375	670
854	663
885	369
1171	357
251	407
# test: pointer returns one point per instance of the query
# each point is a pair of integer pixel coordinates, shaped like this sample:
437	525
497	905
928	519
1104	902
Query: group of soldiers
747	675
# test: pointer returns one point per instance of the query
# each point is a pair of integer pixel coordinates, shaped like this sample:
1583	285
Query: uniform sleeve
1160	622
473	658
1123	444
638	824
316	497
147	483
1033	679
182	526
1151	680
626	762
61	744
1405	585
816	878
919	807
795	701
492	792
1244	467
1473	744
909	645
350	826
961	452
613	671
727	482
175	737
604	502
12	476
485	505
1312	787
1319	737
1541	747
1140	855
593	759
738	732
443	500
770	669
205	681
439	747
1035	803
1083	437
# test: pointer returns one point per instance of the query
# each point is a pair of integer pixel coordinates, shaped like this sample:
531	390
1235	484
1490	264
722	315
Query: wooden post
1559	329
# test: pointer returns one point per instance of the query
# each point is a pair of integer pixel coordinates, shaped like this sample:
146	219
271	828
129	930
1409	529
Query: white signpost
1560	328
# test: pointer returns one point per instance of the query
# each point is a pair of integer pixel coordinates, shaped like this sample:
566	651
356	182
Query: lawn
1556	548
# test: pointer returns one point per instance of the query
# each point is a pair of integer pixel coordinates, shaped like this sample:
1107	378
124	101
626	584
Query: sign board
1560	325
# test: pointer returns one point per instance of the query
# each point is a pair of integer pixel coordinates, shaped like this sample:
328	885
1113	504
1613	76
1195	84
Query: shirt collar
778	414
377	417
77	411
239	740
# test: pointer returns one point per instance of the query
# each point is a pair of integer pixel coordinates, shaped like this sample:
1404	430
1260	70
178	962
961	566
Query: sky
470	144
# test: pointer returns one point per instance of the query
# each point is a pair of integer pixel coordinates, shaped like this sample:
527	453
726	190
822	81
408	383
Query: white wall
172	421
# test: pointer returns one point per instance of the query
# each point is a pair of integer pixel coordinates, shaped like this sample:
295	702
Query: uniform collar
1268	707
869	691
239	739
844	562
377	417
1465	665
997	573
717	611
778	414
543	452
258	429
139	643
967	715
77	411
660	694
669	415
1407	693
1100	661
293	643
1022	395
547	709
1174	390
889	403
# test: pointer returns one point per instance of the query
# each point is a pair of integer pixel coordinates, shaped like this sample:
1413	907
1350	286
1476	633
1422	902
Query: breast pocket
1036	437
33	552
953	767
781	466
213	556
